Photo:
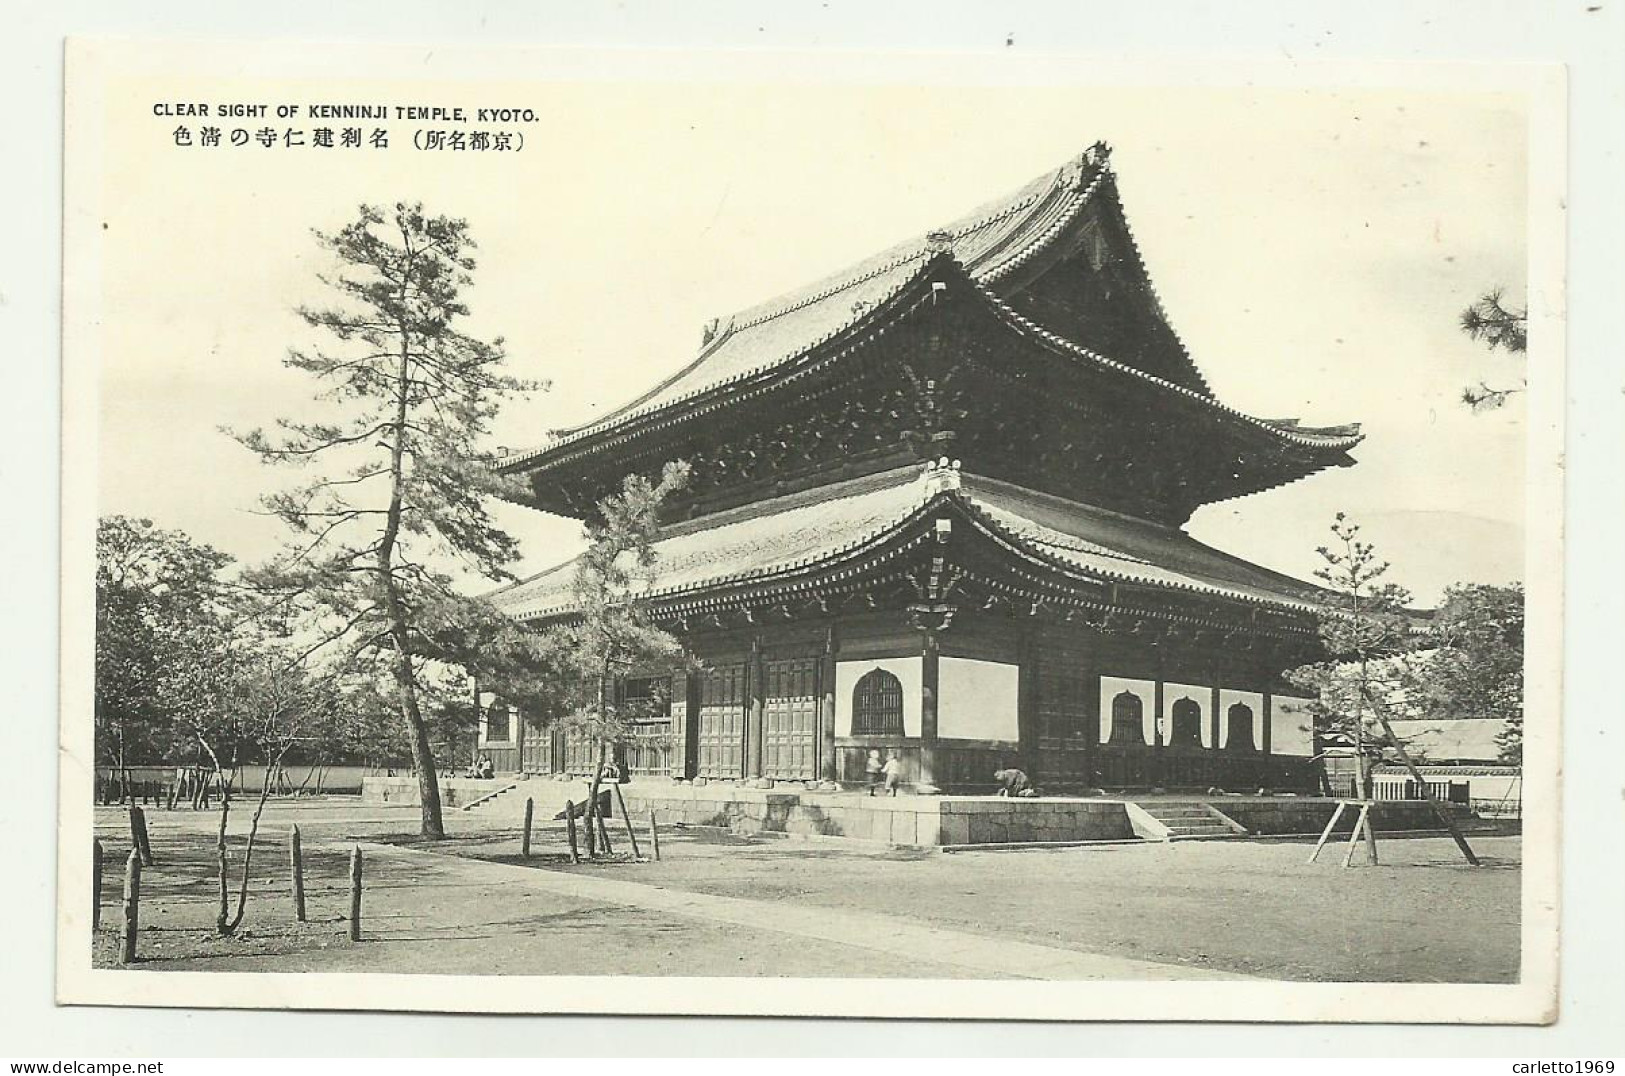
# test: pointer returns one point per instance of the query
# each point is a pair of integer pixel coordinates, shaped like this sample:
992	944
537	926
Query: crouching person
1013	782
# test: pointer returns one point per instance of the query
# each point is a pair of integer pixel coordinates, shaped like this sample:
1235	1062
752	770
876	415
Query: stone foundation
913	821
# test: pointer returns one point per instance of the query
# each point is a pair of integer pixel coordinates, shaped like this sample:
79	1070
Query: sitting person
1013	782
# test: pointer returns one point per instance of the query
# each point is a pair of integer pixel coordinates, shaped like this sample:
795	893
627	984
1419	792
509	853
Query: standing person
893	769
873	769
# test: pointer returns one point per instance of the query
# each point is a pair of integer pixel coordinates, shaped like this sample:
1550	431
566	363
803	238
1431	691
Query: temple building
937	510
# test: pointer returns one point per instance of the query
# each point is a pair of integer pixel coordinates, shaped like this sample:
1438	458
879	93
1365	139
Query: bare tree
245	704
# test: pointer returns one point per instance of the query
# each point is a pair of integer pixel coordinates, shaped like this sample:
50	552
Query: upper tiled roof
834	522
991	242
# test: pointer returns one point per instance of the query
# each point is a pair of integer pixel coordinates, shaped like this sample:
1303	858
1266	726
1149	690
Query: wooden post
97	852
570	827
1327	832
587	821
530	810
147	858
132	907
1360	823
827	769
654	835
631	835
138	833
603	834
754	716
1027	688
1404	756
355	894
1370	841
296	865
929	679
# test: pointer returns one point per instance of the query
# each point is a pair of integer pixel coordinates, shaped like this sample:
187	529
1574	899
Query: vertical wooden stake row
570	826
530	811
296	866
355	894
132	907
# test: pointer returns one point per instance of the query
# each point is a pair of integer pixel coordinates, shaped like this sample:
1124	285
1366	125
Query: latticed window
1239	728
1187	724
498	723
646	703
647	698
877	705
1128	719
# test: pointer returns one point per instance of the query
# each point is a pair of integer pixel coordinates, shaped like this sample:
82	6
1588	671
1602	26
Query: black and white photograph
553	531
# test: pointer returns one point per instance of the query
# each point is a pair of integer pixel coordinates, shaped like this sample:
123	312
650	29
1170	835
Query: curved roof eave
872	323
820	564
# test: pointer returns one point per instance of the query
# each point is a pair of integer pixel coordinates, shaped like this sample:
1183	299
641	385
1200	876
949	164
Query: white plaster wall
907	670
1111	687
976	700
1291	727
1254	701
1201	696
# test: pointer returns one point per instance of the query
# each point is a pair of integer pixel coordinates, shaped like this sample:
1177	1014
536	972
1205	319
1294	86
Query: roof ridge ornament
941	476
1081	175
939	241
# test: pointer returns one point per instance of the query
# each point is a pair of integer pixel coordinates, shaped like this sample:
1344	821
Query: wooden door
790	719
536	755
1063	691
721	722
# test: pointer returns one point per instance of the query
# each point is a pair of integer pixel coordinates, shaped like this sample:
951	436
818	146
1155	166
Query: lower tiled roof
824	525
748	543
1122	548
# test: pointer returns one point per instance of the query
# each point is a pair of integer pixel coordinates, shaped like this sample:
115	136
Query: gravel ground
1242	906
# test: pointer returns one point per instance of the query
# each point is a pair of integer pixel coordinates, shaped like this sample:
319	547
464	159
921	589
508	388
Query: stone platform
916	821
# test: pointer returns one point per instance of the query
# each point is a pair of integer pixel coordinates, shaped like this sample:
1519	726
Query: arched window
1187	724
877	705
498	723
1128	719
1240	725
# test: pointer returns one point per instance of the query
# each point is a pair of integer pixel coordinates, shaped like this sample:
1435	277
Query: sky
1313	249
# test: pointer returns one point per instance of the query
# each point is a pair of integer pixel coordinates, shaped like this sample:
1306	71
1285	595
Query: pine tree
1365	632
614	635
404	477
1499	326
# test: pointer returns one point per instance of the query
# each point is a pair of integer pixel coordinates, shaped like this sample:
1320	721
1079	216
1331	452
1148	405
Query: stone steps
1185	821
